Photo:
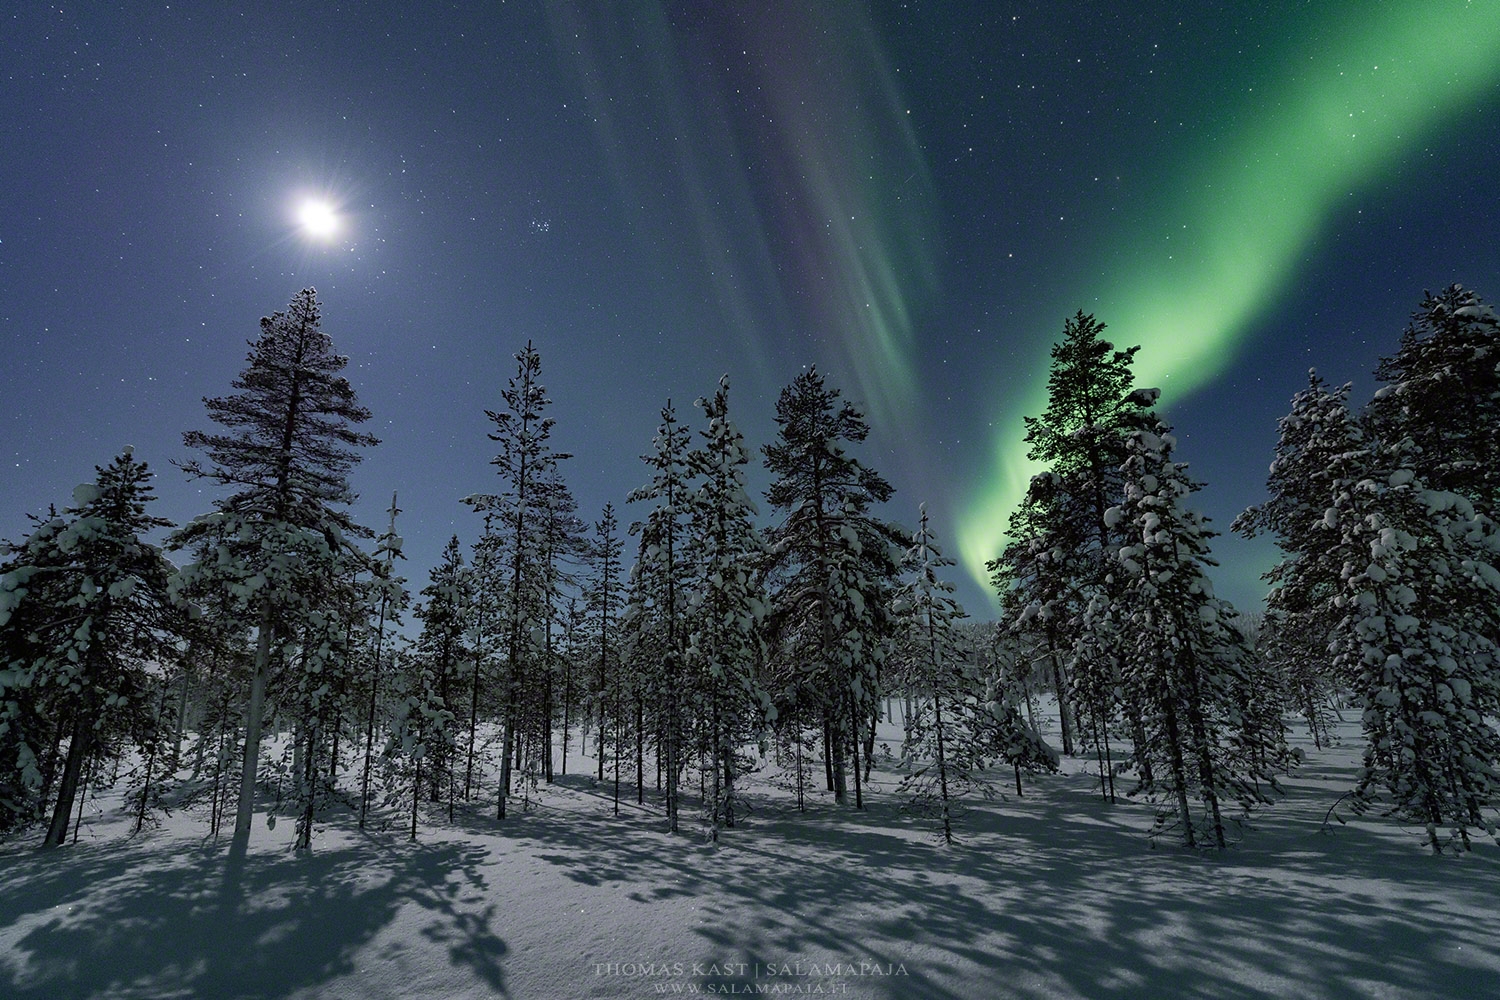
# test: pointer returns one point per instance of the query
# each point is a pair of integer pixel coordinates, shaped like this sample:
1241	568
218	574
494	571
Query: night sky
912	196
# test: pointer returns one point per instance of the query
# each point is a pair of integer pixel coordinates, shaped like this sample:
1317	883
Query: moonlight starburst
319	219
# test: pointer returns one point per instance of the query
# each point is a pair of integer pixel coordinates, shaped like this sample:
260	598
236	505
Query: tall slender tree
605	605
660	574
834	563
525	462
726	643
444	611
287	446
1184	670
937	753
1058	558
390	598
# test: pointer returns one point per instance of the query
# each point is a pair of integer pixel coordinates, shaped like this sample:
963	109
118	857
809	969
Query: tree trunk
416	792
1179	768
254	718
942	764
364	781
1060	686
309	790
828	753
80	743
640	751
567	697
854	713
175	760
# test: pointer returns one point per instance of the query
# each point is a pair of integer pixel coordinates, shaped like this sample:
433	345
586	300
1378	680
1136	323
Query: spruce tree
1185	668
526	461
660	575
390	598
563	546
939	752
443	612
1318	440
1442	394
833	562
1057	559
287	446
605	604
726	643
1420	604
85	617
421	732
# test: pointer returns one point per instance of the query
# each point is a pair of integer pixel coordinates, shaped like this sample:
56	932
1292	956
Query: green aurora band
1243	213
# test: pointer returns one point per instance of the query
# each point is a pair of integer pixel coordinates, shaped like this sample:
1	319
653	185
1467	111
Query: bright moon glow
318	219
1248	209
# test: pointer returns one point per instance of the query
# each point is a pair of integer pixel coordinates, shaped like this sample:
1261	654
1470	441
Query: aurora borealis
1224	235
910	196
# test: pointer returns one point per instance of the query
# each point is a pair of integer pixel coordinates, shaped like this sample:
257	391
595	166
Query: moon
318	219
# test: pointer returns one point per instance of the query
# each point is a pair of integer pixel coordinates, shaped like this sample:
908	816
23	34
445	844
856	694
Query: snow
85	494
1054	895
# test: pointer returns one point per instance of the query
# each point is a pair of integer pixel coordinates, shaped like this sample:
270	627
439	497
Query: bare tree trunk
1179	770
80	743
416	794
364	781
239	845
83	796
1060	686
828	754
309	789
859	799
175	759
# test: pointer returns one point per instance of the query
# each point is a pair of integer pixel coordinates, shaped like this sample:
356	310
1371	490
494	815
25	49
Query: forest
269	657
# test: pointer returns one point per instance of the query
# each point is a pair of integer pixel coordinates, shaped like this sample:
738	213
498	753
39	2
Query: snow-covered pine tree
1058	555
1420	598
526	460
220	651
833	563
574	654
1317	452
940	751
1002	733
660	576
563	546
1038	598
1184	671
725	643
640	645
444	610
287	448
390	599
85	616
316	696
1295	648
605	596
486	629
421	728
1442	392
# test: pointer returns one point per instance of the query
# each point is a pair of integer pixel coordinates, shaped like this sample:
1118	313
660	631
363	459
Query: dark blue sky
911	196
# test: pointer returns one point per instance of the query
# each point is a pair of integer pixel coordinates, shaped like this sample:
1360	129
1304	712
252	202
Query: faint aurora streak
775	156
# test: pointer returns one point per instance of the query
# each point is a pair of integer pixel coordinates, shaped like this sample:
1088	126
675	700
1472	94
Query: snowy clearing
1054	895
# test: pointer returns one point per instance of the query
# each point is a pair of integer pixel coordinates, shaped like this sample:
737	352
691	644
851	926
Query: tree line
727	643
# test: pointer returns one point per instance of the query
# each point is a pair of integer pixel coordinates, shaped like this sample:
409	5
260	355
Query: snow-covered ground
1052	895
